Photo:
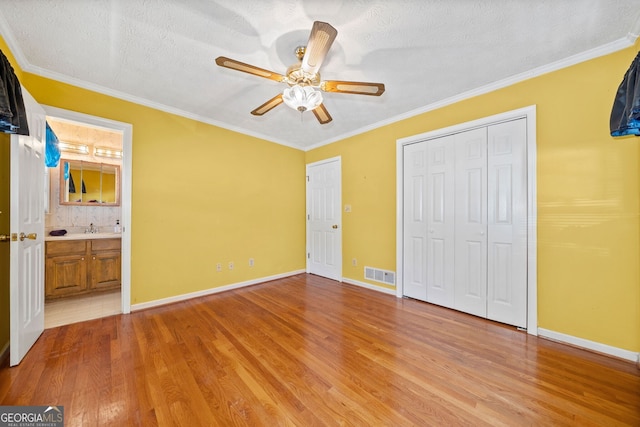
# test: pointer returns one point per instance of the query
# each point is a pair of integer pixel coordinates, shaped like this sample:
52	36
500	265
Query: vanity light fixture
73	148
107	152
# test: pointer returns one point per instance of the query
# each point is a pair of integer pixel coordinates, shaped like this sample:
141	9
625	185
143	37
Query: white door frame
532	219
125	198
339	213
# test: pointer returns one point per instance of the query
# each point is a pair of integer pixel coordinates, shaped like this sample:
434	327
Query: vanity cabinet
74	267
65	268
105	263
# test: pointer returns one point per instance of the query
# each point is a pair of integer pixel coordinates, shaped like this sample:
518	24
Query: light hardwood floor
308	351
65	311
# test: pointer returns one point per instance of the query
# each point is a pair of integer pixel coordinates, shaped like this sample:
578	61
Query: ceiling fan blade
320	40
359	88
268	106
322	114
251	69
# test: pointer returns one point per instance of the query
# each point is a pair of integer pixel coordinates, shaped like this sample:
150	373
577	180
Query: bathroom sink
85	236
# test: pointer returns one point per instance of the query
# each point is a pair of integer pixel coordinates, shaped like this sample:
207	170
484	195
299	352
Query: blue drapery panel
13	117
52	150
625	115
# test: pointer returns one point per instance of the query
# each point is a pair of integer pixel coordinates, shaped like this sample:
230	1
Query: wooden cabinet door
105	269
65	274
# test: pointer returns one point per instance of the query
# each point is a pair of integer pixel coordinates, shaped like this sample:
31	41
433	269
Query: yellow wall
108	188
201	195
588	197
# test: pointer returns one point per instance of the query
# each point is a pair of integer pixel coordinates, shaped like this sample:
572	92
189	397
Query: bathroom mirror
89	184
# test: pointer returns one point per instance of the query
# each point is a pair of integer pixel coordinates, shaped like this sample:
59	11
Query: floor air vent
382	276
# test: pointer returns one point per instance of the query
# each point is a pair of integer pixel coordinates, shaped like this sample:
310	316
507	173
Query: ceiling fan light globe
302	98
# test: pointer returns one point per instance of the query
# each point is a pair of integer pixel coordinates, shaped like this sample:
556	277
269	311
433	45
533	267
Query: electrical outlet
230	265
219	267
251	262
354	262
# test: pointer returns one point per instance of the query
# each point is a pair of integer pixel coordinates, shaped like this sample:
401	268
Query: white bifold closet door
465	223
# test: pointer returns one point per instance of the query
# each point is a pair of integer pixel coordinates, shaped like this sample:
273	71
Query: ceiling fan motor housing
297	76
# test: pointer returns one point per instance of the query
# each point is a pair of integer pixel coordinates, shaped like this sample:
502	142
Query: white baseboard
591	345
183	297
369	286
4	354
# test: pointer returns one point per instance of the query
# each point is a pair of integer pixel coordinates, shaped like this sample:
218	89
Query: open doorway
97	223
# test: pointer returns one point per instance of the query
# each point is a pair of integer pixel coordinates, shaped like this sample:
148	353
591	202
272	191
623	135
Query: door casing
125	198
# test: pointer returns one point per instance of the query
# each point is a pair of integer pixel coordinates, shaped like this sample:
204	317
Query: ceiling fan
303	78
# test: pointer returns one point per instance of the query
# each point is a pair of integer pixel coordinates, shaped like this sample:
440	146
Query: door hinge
308	217
308	255
308	179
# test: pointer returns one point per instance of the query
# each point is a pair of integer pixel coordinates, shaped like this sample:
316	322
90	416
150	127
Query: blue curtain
625	114
52	150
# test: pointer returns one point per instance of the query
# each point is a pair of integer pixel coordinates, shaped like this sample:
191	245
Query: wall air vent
378	275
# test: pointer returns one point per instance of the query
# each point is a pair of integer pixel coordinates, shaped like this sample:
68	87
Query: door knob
30	236
334	226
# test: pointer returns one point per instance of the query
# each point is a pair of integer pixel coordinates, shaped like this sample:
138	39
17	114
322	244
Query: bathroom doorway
96	141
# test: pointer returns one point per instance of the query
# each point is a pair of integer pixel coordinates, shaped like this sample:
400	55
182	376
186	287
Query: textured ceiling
161	53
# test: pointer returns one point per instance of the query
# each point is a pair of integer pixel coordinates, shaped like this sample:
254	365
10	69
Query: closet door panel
415	225
440	220
507	223
471	222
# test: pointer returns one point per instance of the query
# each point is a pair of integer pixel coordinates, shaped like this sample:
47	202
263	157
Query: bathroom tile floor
77	309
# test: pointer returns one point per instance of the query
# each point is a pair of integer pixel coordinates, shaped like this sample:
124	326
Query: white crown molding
147	103
26	66
7	35
607	49
634	32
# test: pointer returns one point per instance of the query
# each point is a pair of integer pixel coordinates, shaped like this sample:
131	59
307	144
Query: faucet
91	229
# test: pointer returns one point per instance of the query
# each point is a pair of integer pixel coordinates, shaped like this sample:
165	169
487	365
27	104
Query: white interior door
27	230
324	218
507	223
471	222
